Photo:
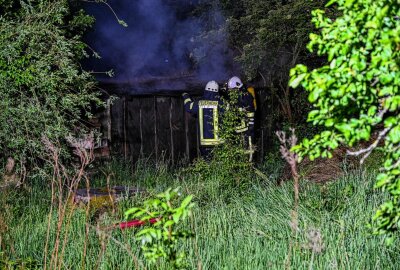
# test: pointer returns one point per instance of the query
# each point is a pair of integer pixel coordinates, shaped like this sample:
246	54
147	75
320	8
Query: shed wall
157	127
152	126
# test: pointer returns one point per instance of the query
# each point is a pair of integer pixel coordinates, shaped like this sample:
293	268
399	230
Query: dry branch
367	151
292	159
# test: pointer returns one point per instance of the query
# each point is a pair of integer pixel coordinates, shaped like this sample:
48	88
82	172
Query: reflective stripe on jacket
246	104
207	109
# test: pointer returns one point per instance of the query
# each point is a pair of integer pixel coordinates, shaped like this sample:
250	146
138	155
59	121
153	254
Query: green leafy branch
160	240
356	96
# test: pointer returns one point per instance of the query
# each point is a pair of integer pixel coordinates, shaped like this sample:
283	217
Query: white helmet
212	86
234	82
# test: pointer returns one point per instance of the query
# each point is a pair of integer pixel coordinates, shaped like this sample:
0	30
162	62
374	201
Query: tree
43	89
270	38
357	94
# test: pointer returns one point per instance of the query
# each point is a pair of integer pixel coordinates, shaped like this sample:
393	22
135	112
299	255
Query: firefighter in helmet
246	103
207	109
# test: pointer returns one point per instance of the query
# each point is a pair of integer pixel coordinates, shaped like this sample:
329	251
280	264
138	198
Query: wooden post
148	125
171	128
141	131
108	115
124	126
198	139
186	133
155	127
262	145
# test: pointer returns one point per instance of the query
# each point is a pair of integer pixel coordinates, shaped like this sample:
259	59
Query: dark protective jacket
208	110
246	104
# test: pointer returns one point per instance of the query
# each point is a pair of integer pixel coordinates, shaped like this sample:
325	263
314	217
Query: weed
160	240
18	264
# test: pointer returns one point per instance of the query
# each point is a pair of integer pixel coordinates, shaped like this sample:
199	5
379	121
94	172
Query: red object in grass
135	223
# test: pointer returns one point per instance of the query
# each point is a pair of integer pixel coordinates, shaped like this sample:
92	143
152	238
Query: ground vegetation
246	229
43	89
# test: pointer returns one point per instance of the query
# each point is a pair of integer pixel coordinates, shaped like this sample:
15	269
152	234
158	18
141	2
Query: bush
358	93
43	89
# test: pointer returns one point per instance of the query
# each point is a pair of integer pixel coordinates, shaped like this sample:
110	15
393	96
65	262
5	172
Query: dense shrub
43	89
358	93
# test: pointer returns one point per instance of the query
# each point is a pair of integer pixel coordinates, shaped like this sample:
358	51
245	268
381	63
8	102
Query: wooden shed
153	123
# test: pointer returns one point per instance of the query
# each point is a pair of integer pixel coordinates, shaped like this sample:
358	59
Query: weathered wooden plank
108	119
155	128
117	127
148	126
187	141
197	140
133	127
125	118
192	137
163	128
178	141
171	131
141	130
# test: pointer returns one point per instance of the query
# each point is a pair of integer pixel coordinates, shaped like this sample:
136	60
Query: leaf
329	122
123	23
394	135
345	129
145	232
169	223
177	215
330	3
313	115
186	201
372	110
371	24
130	212
314	95
389	240
333	64
390	121
294	83
164	206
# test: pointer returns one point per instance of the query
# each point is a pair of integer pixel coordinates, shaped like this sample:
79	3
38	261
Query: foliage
28	264
269	38
43	89
358	93
160	240
277	29
250	232
230	158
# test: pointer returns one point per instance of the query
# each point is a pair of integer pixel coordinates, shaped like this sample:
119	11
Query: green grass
235	228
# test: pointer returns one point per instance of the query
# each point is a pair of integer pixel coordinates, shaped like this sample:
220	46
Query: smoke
163	39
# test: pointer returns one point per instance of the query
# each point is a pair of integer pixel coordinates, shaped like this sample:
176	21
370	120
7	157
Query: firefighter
208	110
247	104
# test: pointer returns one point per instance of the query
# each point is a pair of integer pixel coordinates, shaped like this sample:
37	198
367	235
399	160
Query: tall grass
235	228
